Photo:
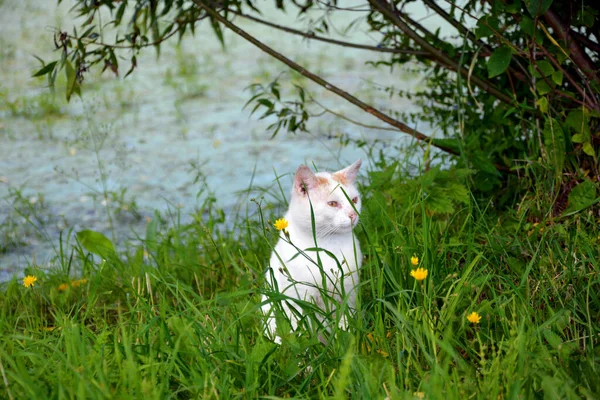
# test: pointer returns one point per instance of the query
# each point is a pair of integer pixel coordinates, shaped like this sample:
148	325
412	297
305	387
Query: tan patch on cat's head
322	181
340	178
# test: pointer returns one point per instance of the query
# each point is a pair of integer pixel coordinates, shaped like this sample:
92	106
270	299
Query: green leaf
458	192
486	27
544	67
557	77
437	201
578	122
581	197
552	338
428	178
95	243
483	163
514	8
453	144
589	149
218	31
45	69
71	78
542	87
578	138
543	104
537	7
527	25
554	140
499	61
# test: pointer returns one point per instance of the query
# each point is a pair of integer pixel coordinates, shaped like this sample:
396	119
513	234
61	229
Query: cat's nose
353	216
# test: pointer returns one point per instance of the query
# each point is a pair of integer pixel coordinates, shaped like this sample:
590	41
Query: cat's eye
355	200
332	203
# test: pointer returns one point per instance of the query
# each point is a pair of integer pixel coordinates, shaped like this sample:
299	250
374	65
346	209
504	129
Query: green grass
179	316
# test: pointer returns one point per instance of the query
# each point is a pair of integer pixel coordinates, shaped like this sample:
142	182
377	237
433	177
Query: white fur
294	270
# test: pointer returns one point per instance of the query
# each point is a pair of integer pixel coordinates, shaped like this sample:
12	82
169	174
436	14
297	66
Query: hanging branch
312	36
207	5
487	86
579	57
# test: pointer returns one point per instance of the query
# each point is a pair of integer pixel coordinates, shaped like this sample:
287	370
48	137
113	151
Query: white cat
317	257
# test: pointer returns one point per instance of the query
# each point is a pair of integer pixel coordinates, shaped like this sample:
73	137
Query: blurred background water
145	139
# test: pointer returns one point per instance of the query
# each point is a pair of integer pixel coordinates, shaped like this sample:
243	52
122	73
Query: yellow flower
78	282
62	287
419	395
474	318
383	353
414	260
280	224
29	280
419	273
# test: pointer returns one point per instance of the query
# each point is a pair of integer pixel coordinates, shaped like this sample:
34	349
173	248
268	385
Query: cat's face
333	196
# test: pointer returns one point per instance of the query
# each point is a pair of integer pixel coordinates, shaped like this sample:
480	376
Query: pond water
131	146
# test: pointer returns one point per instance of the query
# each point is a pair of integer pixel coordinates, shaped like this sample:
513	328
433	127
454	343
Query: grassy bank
179	316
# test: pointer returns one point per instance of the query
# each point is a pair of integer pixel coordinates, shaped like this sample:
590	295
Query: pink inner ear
305	179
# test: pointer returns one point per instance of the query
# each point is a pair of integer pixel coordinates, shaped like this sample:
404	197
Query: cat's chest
333	256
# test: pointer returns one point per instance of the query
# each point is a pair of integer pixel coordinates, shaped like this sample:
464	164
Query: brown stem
206	6
312	36
579	57
587	42
487	86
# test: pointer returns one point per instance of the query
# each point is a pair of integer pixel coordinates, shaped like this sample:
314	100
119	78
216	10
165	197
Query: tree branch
328	40
579	57
206	5
389	13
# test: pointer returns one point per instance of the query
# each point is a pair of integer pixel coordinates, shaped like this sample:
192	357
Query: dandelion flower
281	224
419	273
62	287
414	260
474	318
29	280
79	282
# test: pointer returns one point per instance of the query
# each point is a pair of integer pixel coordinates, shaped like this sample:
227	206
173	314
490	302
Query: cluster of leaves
290	115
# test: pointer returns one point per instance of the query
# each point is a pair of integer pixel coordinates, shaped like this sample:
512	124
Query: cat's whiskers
327	231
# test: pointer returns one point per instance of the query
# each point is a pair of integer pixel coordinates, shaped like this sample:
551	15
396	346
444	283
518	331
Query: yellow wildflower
281	224
383	353
29	280
419	273
474	318
62	287
414	260
78	282
419	395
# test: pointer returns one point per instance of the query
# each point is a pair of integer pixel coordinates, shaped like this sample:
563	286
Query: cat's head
333	196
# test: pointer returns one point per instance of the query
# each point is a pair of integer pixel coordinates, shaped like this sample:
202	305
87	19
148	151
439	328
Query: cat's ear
304	180
348	175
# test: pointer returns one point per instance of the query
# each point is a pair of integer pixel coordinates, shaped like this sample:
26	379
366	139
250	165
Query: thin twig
591	98
342	116
437	54
89	41
579	57
312	36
